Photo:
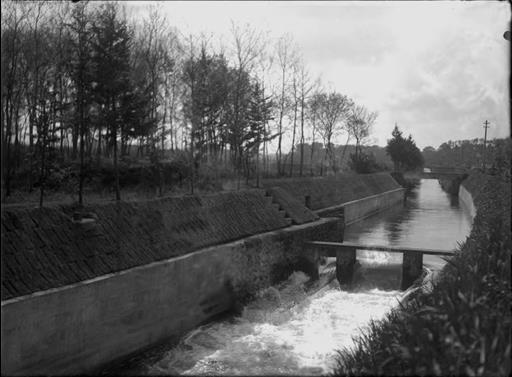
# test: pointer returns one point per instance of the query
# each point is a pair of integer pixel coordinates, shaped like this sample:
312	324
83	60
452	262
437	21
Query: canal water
296	327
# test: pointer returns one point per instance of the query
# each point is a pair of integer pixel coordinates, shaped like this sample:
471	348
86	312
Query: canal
296	327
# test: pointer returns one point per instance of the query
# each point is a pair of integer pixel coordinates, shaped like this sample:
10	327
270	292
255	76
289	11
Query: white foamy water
285	331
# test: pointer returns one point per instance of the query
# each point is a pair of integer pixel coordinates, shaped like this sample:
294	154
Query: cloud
439	69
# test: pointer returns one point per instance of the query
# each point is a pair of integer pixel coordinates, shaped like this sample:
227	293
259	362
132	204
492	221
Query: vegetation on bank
469	154
463	326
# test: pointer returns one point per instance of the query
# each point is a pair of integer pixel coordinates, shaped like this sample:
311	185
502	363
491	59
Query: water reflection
430	218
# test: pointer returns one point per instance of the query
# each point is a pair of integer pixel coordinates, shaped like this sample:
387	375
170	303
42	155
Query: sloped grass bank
463	326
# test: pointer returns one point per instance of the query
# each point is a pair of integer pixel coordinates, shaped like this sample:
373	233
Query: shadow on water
454	201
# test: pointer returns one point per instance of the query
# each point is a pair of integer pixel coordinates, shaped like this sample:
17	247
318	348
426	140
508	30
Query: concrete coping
342	205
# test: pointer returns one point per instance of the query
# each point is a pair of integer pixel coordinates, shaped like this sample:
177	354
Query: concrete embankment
356	196
470	190
78	294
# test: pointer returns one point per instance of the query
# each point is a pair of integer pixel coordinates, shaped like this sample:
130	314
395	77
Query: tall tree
284	58
306	87
112	71
82	76
331	110
247	46
359	124
295	99
207	81
13	27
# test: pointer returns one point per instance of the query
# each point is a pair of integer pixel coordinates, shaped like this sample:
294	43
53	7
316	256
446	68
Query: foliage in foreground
463	326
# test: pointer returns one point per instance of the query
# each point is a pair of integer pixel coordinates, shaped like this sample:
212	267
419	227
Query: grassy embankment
463	326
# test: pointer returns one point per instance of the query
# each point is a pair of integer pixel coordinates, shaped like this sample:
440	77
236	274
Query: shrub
363	163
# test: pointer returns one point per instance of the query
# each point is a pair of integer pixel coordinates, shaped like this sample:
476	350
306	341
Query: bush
363	163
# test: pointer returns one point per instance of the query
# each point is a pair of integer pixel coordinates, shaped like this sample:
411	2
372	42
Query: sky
438	69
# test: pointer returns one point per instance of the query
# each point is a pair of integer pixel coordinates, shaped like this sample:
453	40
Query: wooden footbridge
345	253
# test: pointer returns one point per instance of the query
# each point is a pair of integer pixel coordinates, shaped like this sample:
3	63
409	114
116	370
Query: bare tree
284	58
247	46
332	109
266	62
359	124
305	88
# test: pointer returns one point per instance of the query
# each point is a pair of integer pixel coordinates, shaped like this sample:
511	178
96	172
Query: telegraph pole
486	126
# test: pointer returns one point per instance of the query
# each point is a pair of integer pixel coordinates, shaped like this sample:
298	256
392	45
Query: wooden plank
388	249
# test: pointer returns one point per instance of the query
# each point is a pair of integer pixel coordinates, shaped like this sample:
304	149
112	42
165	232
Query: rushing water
296	327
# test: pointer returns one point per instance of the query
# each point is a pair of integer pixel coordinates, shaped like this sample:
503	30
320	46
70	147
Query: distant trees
404	152
469	154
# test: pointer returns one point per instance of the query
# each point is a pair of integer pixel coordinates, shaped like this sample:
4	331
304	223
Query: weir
345	254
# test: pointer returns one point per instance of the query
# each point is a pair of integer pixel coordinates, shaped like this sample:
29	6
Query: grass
463	327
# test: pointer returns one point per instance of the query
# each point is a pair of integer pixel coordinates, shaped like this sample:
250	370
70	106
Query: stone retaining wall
44	248
76	328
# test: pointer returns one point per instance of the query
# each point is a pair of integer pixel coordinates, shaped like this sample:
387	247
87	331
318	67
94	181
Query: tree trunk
294	132
301	136
82	147
116	167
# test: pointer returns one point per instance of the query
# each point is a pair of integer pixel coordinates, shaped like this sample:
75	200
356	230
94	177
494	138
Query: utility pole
486	126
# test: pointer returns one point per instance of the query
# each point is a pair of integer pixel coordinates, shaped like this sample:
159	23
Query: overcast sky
438	69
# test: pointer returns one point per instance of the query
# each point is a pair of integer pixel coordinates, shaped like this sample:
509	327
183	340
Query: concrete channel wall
359	209
470	190
73	329
466	199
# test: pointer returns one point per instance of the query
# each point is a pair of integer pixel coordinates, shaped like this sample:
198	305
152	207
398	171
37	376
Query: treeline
86	83
314	158
469	154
